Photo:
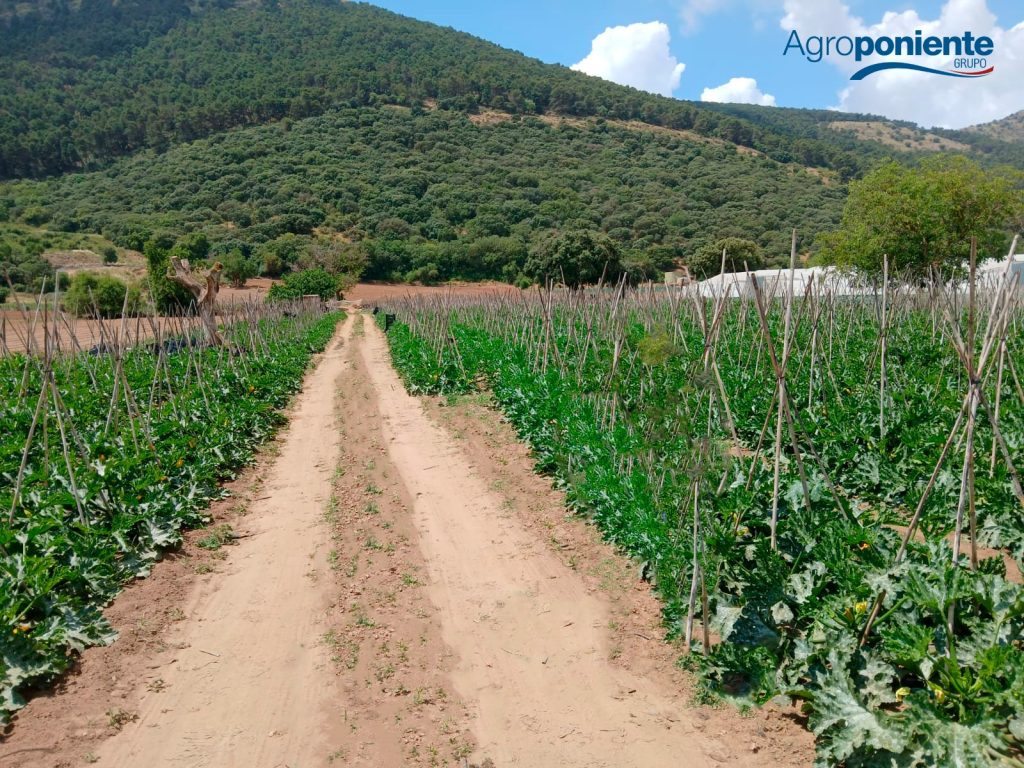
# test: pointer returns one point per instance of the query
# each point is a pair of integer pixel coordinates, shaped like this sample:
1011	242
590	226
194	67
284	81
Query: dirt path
531	640
247	686
407	592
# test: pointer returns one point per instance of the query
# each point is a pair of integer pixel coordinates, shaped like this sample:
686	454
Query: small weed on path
383	638
217	537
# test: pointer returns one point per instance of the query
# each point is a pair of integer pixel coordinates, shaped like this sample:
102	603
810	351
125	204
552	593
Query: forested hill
85	81
1008	129
437	194
277	131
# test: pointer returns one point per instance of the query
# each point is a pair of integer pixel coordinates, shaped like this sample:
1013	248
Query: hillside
85	81
900	138
439	192
273	125
1009	129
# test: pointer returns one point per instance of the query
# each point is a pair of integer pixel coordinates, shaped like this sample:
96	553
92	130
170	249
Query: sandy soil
531	638
406	592
385	634
63	727
255	289
75	334
72	334
246	686
371	292
15	324
634	629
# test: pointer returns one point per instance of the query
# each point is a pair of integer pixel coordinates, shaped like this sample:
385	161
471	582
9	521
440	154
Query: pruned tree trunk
204	288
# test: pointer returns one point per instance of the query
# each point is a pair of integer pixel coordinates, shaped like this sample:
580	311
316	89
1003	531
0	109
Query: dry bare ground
73	334
368	293
405	591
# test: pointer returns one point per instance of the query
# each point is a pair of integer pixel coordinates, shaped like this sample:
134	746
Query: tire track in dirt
386	607
531	640
635	627
384	633
248	686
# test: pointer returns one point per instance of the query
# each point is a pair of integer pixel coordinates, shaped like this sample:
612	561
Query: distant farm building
993	268
312	300
775	282
678	277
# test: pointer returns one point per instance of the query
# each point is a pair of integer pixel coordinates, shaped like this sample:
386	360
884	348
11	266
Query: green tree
277	256
336	257
92	295
193	246
167	296
35	215
272	266
124	231
575	258
640	265
925	216
309	282
497	258
707	261
238	269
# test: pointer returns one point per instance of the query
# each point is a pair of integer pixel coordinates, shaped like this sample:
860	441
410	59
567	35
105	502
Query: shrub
195	245
167	295
335	257
35	215
92	295
305	283
575	258
428	274
272	265
109	254
281	253
238	269
222	248
739	254
127	234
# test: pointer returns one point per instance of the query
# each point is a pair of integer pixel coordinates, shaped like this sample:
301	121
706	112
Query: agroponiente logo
969	53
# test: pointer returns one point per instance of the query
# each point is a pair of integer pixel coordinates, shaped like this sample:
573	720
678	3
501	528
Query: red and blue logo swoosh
870	70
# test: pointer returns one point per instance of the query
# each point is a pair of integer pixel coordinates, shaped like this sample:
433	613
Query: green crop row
939	679
88	521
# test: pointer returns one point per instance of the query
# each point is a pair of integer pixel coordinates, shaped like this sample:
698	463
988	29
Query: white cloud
693	11
923	98
636	55
739	90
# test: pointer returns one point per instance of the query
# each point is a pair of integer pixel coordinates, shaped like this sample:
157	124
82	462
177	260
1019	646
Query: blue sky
739	38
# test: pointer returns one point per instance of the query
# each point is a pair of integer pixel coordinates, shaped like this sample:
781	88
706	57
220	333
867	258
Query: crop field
822	489
107	454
